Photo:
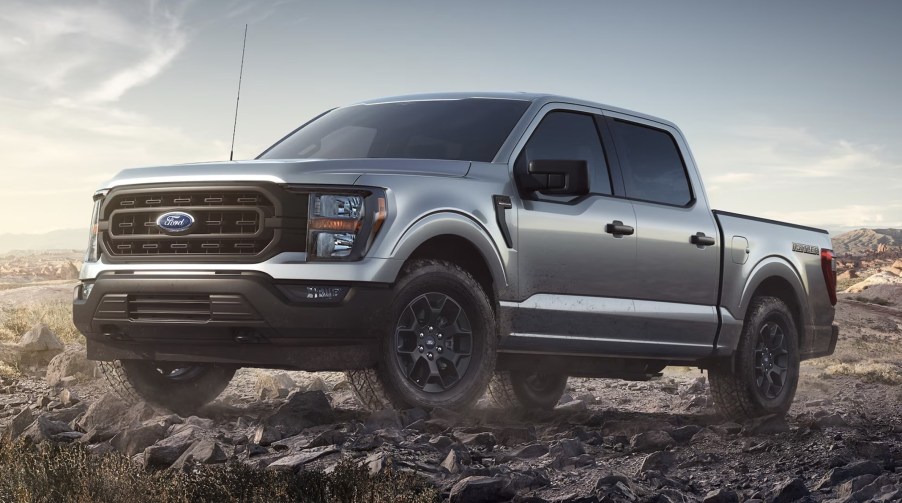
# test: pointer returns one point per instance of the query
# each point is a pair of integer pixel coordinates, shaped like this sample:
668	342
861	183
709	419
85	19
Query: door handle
701	240
618	229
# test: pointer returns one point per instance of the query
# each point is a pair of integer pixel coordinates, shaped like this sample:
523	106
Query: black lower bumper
239	318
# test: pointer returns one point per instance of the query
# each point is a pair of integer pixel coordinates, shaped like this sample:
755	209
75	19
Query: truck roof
539	98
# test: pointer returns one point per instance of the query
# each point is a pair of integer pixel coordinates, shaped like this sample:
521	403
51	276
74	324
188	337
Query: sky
792	109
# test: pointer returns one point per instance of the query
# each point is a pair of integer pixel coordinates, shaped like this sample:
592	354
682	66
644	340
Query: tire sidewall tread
734	391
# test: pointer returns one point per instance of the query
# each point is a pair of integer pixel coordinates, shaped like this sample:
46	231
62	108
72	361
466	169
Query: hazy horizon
790	108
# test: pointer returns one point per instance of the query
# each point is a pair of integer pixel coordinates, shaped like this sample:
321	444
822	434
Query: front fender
455	224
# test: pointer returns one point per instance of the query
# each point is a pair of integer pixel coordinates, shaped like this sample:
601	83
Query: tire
440	345
527	390
182	388
368	389
766	366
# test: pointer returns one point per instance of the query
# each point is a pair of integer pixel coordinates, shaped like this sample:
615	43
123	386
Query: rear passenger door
678	246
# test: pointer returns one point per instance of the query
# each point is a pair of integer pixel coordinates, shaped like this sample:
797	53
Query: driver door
576	274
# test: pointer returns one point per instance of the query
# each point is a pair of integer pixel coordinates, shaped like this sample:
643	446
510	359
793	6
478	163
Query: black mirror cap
560	177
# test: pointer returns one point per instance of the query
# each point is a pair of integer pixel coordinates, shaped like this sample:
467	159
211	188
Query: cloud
847	216
93	53
795	174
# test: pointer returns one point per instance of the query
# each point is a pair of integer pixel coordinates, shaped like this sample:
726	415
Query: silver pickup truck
434	246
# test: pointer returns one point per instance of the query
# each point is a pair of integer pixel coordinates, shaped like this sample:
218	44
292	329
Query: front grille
229	222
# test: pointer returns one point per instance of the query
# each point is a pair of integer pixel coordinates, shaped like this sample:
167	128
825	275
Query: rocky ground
607	440
25	267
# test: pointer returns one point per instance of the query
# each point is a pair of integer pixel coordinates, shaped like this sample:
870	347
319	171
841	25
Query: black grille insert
230	222
169	307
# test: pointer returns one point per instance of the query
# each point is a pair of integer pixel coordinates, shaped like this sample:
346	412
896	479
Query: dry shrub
49	473
15	321
886	373
7	370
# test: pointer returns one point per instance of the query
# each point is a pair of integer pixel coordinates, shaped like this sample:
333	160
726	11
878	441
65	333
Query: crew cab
435	246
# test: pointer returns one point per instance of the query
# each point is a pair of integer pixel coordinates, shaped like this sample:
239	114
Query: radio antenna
238	97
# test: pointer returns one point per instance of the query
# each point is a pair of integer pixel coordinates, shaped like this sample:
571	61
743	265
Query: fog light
82	291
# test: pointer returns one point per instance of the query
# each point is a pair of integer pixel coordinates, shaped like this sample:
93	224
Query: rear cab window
653	168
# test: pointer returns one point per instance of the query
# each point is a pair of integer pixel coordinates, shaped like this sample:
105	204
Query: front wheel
180	387
440	345
766	368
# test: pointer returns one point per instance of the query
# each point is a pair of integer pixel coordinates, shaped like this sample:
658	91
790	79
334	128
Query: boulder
312	382
167	451
530	451
479	489
40	338
483	439
296	461
854	485
850	274
659	461
132	441
20	423
72	362
452	462
851	470
382	419
203	451
301	410
721	496
68	397
38	346
651	441
790	490
272	385
106	417
43	429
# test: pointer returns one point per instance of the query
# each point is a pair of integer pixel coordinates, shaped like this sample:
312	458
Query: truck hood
307	171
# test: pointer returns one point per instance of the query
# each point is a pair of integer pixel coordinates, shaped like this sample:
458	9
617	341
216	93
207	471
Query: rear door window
653	169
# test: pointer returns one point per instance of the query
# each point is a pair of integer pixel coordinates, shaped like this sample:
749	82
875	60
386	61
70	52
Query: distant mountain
863	241
64	239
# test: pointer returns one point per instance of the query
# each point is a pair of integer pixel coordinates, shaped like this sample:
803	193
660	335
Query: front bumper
242	318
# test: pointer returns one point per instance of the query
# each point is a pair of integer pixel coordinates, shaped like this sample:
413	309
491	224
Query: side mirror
557	177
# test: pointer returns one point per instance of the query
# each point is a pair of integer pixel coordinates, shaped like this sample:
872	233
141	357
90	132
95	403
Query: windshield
471	129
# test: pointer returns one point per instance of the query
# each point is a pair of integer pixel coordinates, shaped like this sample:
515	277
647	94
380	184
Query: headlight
92	254
342	225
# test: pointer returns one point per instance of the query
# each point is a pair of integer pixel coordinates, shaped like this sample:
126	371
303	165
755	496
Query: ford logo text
175	221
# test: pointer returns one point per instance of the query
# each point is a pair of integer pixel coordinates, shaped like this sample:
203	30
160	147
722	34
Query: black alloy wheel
434	342
771	360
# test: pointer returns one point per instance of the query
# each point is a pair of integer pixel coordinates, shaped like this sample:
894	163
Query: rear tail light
828	266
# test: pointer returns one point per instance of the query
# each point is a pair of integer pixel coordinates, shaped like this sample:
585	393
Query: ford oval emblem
175	221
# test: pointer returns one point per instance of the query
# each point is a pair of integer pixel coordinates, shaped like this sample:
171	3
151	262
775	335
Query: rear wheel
527	390
766	368
180	387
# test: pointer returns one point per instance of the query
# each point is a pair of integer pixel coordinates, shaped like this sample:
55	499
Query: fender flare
455	224
775	266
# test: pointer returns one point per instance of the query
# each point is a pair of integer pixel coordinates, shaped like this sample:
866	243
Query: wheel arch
775	277
460	240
